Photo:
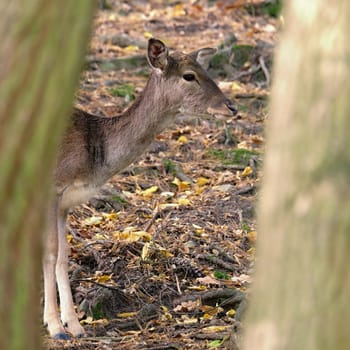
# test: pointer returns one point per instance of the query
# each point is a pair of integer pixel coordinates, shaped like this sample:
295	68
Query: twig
97	283
153	219
244	190
75	234
178	285
250	71
230	167
217	261
212	336
265	70
100	241
223	254
180	174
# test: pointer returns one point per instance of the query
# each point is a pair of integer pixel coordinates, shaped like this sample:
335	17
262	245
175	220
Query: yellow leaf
182	139
143	234
164	308
164	252
215	329
93	220
69	238
145	250
187	320
209	310
247	171
110	216
99	237
127	314
148	35
148	192
103	278
199	190
130	48
197	288
252	236
201	181
166	313
231	313
88	320
181	185
235	87
178	10
184	201
132	236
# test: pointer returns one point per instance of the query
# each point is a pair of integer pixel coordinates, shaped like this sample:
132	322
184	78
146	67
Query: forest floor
162	259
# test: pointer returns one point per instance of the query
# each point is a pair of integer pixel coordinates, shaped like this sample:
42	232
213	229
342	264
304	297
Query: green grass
233	156
170	166
221	275
119	199
126	91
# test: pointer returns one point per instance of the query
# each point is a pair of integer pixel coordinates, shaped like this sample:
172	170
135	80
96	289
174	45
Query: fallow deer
95	148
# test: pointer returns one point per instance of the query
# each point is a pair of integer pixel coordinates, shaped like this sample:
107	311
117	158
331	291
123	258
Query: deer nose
231	106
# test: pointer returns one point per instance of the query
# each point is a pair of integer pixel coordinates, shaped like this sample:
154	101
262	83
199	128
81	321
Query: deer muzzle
225	109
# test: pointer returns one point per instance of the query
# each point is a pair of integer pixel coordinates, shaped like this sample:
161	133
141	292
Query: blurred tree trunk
42	45
301	291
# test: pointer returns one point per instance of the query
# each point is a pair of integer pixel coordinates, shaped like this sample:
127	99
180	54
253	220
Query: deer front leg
68	314
51	314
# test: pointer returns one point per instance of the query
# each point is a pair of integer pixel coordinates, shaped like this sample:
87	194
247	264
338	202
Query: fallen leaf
207	280
182	139
148	193
216	343
184	201
148	35
186	306
215	329
110	216
247	171
127	314
132	236
242	279
231	313
130	48
181	185
252	236
104	278
201	181
168	206
93	220
145	250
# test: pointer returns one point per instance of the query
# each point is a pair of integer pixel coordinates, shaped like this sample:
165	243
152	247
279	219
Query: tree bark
41	52
300	296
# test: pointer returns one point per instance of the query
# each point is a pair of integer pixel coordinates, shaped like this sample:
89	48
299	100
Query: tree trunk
41	52
301	291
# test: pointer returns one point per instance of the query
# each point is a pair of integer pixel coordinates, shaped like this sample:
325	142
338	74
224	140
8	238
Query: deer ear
157	54
203	56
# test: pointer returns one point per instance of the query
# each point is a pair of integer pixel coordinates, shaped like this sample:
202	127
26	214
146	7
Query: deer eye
189	77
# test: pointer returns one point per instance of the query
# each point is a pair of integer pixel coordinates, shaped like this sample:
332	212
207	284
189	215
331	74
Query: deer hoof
76	329
61	336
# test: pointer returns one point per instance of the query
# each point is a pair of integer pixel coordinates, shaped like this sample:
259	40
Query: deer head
186	84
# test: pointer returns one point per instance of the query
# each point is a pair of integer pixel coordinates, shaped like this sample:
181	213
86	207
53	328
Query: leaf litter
162	257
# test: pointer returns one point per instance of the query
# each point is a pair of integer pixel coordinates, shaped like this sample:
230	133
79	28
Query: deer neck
134	130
